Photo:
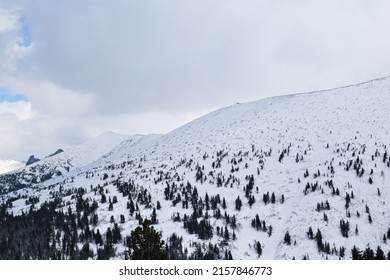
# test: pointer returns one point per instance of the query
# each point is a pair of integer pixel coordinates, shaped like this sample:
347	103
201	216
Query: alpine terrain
304	176
9	165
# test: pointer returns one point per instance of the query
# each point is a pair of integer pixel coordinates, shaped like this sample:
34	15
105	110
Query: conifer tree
287	238
259	250
379	255
273	198
238	203
310	233
145	243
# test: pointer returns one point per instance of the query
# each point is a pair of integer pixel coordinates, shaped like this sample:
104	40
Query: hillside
9	165
296	176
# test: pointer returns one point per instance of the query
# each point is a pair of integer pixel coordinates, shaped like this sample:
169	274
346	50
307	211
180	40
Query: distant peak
56	152
111	134
32	159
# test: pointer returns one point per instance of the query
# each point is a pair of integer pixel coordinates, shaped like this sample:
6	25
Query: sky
71	70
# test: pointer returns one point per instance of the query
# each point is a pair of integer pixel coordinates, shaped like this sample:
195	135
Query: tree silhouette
145	243
287	238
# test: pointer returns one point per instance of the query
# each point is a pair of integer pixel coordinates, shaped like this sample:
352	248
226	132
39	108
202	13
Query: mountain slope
297	176
56	165
9	165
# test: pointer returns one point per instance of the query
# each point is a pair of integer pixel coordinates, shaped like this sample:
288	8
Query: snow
9	165
327	128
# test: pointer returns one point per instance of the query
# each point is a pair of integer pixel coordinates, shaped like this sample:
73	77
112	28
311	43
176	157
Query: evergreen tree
238	203
368	254
223	203
273	198
116	234
310	233
154	217
369	219
320	244
347	201
287	238
342	252
379	255
259	250
145	243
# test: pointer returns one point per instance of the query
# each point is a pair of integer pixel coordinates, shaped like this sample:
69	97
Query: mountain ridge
291	164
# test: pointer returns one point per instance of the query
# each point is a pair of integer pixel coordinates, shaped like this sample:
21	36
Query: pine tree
154	217
238	203
226	234
379	255
320	244
145	243
342	252
356	253
116	234
223	203
310	233
273	199
347	201
325	217
287	238
259	250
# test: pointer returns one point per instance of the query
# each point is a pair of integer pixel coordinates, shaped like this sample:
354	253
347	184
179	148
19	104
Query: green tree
145	243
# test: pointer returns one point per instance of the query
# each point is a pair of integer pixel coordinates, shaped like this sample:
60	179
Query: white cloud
8	20
149	66
21	110
52	99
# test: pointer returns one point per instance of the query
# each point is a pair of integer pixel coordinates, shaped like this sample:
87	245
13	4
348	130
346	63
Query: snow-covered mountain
8	165
296	176
62	163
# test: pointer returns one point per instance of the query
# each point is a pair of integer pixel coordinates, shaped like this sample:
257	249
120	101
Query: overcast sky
70	70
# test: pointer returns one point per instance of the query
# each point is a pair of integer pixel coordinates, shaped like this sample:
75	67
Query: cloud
52	99
8	20
132	66
21	110
174	55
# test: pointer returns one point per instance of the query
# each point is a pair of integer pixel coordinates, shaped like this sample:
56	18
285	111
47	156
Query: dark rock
32	160
56	152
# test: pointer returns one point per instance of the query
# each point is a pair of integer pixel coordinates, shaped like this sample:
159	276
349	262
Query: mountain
61	163
301	176
9	165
